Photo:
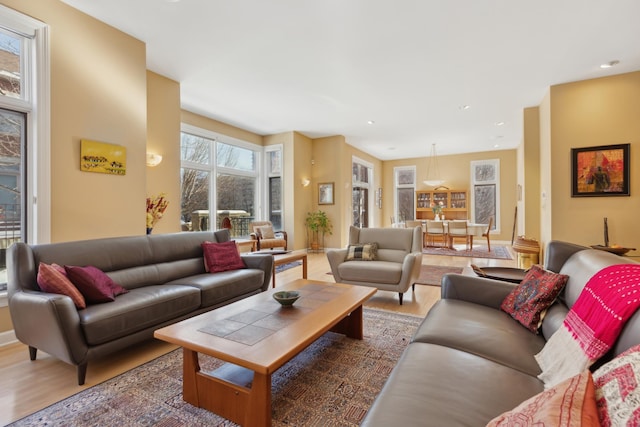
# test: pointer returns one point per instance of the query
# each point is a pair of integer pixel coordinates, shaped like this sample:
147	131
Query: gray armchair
396	266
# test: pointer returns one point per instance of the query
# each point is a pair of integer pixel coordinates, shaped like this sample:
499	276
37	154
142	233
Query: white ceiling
326	67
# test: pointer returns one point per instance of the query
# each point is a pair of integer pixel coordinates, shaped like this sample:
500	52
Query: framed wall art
325	193
600	171
101	157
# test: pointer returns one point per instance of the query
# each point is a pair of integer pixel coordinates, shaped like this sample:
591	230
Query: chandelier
433	173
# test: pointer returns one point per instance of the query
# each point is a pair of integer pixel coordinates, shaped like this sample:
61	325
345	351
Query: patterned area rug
432	274
479	251
331	383
282	267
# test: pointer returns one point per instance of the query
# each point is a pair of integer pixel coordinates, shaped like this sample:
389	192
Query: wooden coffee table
257	336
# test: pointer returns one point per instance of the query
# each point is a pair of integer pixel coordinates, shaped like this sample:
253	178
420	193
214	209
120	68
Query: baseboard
7	337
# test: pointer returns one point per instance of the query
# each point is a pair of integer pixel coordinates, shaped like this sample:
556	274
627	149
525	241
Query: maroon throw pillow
222	256
51	280
93	283
529	301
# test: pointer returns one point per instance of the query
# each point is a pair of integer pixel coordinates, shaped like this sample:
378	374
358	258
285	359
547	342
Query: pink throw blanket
593	324
608	300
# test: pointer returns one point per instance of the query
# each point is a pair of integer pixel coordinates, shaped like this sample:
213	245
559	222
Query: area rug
282	267
480	251
432	274
331	383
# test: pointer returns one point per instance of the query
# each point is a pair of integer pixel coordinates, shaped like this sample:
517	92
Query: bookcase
454	203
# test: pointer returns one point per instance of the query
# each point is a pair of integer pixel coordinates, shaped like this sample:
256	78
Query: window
485	194
405	185
221	174
24	133
360	200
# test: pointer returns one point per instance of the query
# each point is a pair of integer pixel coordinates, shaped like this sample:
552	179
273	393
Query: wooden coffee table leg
258	413
190	369
304	267
351	325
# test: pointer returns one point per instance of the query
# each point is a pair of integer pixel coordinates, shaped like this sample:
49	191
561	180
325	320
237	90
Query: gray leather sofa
469	362
165	276
396	267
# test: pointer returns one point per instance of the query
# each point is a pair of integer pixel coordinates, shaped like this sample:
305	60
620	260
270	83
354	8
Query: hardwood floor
26	386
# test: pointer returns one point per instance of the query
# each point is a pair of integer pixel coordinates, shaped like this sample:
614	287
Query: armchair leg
82	373
32	353
413	287
400	297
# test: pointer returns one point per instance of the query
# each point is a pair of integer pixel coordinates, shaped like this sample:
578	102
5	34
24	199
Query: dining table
473	229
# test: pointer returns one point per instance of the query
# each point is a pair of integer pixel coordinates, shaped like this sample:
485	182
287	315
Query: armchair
395	267
266	237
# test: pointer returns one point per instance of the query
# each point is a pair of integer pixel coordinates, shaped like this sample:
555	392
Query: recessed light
609	64
496	145
465	107
499	123
370	122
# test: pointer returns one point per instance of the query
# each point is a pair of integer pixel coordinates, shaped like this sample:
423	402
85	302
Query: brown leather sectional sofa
469	362
165	276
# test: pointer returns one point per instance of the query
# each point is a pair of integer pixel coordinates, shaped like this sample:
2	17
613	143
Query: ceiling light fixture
499	123
610	64
370	122
433	173
465	107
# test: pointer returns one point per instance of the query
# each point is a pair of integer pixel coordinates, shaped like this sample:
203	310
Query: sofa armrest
336	257
49	322
262	262
411	266
477	290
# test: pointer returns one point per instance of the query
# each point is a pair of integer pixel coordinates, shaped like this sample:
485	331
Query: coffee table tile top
252	326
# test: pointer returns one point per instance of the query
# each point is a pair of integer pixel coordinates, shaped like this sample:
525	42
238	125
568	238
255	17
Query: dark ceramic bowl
286	298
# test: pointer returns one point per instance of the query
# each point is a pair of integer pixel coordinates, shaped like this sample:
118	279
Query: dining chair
435	229
458	229
486	234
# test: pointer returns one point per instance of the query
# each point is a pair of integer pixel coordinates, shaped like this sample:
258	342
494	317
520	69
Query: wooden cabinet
454	204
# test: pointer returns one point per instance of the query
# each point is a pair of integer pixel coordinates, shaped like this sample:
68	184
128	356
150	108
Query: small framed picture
325	193
600	171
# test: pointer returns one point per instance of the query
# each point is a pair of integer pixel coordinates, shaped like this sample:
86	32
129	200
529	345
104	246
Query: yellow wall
98	92
455	170
529	176
163	137
219	127
590	113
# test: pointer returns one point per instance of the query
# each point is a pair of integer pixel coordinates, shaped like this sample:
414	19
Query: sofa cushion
372	271
222	256
362	252
223	286
50	279
441	386
136	310
528	302
618	388
266	232
483	331
570	403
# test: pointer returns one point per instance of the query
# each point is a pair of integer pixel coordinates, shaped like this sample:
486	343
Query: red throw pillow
529	301
222	256
94	284
50	279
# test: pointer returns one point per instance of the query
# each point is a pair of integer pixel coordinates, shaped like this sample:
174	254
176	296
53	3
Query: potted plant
318	224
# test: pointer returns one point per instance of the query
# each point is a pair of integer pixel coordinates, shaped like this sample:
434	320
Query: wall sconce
305	182
153	159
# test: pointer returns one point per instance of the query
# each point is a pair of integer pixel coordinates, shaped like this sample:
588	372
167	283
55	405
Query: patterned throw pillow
364	252
50	279
618	389
94	284
529	301
570	403
222	256
266	232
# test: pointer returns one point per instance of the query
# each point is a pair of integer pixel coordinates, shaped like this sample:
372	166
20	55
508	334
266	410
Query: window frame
397	186
478	181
